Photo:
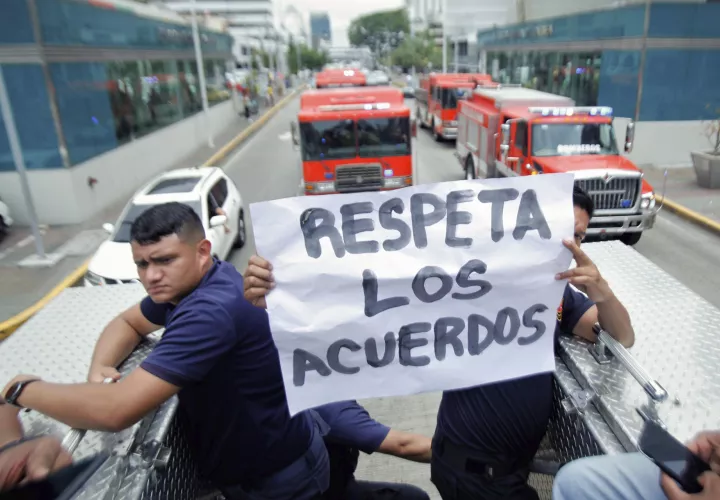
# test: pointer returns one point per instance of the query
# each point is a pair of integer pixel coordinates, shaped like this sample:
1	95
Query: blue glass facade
26	90
144	78
596	57
15	26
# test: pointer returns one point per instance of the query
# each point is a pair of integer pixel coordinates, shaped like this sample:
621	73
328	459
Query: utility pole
201	74
444	35
456	55
14	140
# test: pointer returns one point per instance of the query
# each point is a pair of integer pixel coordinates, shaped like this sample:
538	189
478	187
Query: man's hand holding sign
433	287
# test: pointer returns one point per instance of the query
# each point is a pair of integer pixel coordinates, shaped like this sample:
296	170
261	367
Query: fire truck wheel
469	169
241	235
631	238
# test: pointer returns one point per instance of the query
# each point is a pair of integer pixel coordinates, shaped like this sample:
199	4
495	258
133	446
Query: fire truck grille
618	193
351	178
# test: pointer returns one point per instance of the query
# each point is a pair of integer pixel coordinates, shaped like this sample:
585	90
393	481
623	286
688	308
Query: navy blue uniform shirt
217	347
351	429
508	419
352	426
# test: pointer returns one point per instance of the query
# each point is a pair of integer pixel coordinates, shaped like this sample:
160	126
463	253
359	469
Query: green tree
384	27
418	52
309	58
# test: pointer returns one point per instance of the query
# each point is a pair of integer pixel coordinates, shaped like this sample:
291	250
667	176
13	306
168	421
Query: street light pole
444	35
201	73
14	141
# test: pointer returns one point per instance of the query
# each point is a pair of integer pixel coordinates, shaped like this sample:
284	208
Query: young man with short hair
216	354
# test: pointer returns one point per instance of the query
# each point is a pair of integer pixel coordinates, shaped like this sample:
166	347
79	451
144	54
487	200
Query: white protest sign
430	287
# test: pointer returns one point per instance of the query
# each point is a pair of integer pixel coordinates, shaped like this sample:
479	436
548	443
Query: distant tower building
320	29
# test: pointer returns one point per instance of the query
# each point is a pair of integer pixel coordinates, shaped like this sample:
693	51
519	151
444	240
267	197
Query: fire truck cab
437	101
506	130
333	78
353	140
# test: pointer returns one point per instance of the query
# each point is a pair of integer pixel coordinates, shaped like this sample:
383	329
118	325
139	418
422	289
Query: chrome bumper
619	224
449	133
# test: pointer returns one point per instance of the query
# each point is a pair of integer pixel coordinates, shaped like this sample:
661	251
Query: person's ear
205	248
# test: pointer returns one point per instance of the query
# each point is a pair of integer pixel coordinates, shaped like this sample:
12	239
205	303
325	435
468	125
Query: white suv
202	188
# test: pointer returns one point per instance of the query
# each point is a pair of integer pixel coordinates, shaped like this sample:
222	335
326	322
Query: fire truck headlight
648	201
324	187
395	182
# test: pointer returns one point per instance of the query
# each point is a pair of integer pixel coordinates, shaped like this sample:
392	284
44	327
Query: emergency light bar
580	110
350	107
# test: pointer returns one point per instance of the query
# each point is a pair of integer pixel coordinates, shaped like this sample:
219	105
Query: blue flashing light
388	172
328	175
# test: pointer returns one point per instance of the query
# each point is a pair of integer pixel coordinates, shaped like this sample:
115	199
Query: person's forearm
115	344
414	447
614	318
10	428
82	406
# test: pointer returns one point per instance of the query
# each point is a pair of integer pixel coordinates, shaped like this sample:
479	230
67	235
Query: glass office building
86	76
665	70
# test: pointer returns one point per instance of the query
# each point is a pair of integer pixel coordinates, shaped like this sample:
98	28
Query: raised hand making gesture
586	276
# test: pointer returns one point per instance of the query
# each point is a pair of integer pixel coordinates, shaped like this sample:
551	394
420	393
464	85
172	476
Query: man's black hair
160	221
582	200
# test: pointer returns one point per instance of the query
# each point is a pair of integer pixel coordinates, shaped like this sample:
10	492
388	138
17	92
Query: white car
201	188
5	220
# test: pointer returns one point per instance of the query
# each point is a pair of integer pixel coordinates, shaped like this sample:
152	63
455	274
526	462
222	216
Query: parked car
5	220
408	92
200	188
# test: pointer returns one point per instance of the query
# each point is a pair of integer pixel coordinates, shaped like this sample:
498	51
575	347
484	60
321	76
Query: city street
267	168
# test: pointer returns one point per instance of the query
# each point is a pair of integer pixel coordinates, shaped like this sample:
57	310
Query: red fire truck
437	100
347	77
352	140
506	130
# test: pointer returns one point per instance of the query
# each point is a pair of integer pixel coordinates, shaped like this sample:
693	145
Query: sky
341	12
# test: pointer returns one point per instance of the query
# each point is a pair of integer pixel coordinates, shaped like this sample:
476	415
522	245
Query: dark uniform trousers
460	473
307	478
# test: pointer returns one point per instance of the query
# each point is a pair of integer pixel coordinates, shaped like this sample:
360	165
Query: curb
242	136
690	215
9	326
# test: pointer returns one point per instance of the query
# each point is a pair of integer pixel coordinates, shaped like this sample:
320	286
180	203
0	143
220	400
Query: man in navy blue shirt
486	436
349	430
216	354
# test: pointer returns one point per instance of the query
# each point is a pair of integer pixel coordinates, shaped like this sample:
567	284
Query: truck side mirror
505	136
629	137
294	133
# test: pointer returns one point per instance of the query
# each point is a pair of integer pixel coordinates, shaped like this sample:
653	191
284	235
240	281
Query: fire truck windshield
563	139
451	96
383	137
340	139
329	139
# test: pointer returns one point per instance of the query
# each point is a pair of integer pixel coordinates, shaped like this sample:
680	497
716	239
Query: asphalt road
267	168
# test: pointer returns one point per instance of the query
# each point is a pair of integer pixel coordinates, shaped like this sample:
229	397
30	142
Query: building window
572	74
462	49
34	123
104	105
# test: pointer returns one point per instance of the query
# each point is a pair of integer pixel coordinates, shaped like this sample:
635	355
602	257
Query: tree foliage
418	52
369	29
309	58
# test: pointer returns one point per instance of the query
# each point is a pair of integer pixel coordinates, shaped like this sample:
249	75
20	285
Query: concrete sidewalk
682	189
24	289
